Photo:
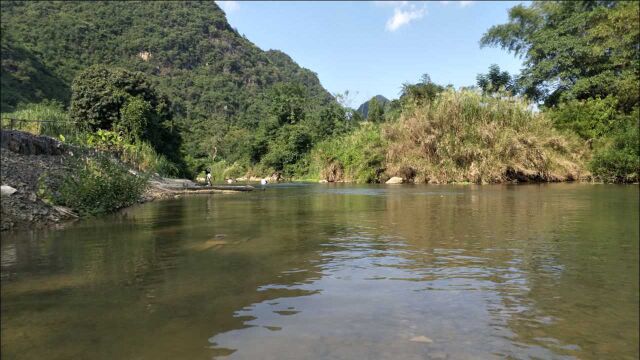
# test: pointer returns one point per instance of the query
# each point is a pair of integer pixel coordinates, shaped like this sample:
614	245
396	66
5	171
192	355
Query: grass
459	137
357	156
45	118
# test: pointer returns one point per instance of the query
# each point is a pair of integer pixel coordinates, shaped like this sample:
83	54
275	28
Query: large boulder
395	180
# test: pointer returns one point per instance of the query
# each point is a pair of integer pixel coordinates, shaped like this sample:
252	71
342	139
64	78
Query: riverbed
334	271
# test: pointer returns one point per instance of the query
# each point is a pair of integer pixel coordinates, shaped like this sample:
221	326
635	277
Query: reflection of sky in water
375	295
335	271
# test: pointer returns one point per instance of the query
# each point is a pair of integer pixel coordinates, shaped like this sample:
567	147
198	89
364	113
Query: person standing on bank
207	171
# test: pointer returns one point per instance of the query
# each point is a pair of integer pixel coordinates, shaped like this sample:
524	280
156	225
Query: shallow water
334	272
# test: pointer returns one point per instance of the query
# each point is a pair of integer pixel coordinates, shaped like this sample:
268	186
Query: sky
372	48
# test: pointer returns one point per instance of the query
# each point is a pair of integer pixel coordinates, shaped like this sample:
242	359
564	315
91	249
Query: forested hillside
221	86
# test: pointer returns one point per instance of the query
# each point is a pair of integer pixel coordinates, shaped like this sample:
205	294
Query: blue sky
371	48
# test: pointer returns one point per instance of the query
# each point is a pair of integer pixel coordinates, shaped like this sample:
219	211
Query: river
315	271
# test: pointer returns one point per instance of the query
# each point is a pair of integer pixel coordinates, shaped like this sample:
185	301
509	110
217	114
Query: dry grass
467	137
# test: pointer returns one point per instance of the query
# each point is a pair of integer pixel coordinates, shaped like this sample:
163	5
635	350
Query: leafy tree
496	81
288	102
574	49
420	93
376	111
106	98
125	101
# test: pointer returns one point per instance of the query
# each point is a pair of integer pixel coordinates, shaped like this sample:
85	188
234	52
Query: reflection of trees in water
547	253
146	274
152	283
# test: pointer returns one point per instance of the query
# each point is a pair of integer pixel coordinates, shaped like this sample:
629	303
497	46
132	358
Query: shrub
590	118
99	185
356	156
617	156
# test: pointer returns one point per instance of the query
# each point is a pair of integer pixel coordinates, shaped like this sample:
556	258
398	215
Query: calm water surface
334	272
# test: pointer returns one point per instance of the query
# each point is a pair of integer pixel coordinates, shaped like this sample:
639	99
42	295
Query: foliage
591	118
25	79
116	100
617	156
57	123
496	81
221	86
99	185
420	93
582	60
574	49
375	111
139	154
356	156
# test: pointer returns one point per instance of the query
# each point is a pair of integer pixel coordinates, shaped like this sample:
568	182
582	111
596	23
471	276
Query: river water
334	272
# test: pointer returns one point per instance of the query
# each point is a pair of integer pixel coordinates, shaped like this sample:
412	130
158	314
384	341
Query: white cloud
404	12
229	6
403	17
460	3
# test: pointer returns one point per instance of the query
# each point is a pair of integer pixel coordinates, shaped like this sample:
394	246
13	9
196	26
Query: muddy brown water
334	272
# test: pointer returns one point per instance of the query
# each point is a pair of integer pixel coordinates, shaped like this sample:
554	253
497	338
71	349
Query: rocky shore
28	162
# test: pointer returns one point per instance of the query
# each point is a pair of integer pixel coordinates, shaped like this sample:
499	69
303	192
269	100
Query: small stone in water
422	339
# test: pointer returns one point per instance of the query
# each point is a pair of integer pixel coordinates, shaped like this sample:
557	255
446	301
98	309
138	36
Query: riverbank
29	164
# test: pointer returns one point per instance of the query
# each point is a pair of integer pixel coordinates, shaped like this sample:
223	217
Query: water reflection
335	272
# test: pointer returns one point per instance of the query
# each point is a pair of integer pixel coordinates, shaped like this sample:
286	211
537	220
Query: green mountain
222	86
363	109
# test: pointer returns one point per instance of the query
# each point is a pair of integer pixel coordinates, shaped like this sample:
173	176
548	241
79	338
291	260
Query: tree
582	59
120	100
114	98
574	49
496	81
376	111
419	93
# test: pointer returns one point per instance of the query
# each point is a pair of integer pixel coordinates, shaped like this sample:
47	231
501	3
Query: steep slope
363	109
216	79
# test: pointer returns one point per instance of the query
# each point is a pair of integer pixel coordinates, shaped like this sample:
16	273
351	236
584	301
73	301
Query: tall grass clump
136	153
357	156
98	185
463	136
45	118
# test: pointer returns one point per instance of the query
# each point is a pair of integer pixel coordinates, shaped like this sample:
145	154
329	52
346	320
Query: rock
32	197
421	339
29	144
241	179
7	190
255	178
323	181
395	180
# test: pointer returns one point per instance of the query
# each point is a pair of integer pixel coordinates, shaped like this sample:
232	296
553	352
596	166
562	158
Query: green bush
357	156
617	156
99	185
592	118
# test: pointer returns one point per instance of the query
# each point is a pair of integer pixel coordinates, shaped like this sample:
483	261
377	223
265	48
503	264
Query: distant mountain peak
363	109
